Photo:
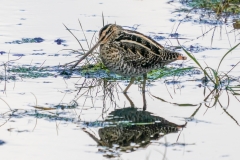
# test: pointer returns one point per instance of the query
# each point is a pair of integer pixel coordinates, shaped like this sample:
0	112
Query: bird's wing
141	41
143	45
141	50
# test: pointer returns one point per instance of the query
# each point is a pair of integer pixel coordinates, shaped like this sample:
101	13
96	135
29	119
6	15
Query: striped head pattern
108	31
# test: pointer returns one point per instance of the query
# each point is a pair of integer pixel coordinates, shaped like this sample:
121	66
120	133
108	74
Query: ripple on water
2	142
59	41
27	40
2	52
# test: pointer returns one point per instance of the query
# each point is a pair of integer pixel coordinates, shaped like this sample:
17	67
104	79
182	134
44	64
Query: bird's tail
181	57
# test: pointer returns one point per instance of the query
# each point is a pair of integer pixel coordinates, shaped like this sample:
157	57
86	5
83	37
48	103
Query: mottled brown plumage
130	53
125	135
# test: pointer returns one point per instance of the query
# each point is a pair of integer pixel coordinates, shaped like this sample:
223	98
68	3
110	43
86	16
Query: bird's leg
130	83
129	99
143	91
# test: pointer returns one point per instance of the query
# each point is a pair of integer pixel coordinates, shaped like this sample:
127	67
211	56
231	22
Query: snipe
130	53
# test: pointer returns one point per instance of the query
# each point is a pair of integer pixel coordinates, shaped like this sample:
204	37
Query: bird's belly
115	60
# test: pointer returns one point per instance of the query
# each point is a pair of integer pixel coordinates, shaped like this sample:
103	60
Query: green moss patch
29	72
99	70
218	6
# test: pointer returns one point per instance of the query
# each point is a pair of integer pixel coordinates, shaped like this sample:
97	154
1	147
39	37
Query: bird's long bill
86	54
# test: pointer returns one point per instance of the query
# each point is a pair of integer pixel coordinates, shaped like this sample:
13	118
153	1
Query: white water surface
211	135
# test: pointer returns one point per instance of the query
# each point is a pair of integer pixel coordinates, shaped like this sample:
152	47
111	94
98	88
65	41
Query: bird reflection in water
130	128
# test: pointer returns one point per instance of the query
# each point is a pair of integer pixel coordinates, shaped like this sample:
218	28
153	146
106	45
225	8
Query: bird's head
107	32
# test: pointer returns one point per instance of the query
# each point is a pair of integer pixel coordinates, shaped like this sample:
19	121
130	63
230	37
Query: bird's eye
108	31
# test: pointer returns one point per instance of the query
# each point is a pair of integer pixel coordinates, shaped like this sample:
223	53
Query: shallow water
57	133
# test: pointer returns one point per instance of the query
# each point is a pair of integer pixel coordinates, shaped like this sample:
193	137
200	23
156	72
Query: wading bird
130	53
